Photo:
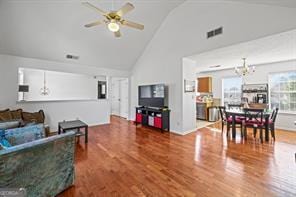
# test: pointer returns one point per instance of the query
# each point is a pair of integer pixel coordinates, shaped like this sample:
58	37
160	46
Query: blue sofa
43	166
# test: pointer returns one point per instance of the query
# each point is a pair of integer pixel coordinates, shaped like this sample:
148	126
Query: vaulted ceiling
51	29
274	48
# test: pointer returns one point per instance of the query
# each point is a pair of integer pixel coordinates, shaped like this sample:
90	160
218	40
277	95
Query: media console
154	117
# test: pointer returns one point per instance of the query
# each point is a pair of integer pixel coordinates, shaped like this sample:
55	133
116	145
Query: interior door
115	98
124	98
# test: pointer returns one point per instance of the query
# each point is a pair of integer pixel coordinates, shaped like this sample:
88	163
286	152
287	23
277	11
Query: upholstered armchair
44	167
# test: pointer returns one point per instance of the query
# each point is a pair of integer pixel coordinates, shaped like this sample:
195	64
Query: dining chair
224	118
254	119
271	122
227	120
234	106
238	107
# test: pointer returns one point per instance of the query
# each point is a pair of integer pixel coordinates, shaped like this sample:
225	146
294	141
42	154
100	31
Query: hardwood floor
122	160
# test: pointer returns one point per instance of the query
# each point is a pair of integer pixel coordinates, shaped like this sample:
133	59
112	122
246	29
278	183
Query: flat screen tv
153	95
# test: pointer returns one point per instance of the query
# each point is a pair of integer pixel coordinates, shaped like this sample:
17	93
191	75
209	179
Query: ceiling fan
113	19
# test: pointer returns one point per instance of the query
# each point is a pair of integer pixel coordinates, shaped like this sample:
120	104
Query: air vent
215	32
73	57
216	66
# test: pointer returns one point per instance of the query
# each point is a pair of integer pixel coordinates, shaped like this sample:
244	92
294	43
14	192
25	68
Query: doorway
119	97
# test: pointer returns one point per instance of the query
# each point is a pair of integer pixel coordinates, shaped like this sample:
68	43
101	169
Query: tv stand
153	117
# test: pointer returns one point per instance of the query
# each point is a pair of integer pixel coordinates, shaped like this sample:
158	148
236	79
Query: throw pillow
10	124
3	141
25	134
16	114
5	115
2	133
37	117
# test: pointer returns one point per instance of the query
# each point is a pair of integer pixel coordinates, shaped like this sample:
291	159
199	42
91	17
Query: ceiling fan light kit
113	26
113	19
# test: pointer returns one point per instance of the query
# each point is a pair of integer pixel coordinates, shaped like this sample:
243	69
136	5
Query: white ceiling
50	29
275	48
282	3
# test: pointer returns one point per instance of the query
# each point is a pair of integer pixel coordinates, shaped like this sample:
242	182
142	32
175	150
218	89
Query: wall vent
215	32
73	57
216	66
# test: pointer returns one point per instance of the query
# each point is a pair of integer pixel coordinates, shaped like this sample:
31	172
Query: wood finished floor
122	160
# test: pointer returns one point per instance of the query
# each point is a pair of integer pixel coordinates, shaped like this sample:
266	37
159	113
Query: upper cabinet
204	84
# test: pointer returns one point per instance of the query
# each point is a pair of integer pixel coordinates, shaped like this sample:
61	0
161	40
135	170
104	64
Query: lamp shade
23	88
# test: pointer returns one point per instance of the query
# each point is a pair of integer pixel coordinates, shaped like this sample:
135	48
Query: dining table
239	112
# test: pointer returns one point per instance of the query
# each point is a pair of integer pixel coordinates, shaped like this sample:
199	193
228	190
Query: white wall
284	121
183	33
92	112
189	98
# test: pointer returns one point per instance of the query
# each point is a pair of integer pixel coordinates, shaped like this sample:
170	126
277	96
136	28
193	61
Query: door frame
119	79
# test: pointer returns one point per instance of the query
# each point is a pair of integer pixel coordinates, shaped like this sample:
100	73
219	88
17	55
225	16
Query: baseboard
189	131
287	129
54	130
176	132
184	133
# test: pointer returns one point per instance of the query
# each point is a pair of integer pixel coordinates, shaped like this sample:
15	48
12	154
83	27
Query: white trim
189	131
287	129
176	132
287	112
184	133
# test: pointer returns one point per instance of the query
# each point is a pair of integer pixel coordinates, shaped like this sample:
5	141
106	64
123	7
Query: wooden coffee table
74	125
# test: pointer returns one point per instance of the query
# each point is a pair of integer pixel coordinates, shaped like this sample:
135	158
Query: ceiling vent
73	57
216	66
215	32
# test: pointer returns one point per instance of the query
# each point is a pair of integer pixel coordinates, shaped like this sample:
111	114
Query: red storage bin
139	118
157	122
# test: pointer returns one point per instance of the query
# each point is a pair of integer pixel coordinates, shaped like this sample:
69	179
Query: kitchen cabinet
204	84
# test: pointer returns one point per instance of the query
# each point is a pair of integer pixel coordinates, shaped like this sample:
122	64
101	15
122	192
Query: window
282	87
232	92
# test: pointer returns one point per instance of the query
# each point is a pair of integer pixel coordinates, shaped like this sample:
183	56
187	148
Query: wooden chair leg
228	129
242	131
261	135
255	132
245	133
272	129
222	126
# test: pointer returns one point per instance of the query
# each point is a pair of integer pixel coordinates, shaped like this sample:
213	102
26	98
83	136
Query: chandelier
244	70
44	91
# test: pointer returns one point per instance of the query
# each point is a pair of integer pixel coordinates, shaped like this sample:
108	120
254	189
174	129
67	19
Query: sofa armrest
43	167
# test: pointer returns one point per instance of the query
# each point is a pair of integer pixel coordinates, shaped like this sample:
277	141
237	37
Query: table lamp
23	89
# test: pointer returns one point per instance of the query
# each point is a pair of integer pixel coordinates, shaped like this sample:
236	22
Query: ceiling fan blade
125	9
117	34
91	6
133	25
93	24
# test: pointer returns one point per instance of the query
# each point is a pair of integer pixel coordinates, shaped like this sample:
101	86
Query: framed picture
189	86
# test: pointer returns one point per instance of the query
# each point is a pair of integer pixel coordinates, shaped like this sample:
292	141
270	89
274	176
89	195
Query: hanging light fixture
244	70
44	91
